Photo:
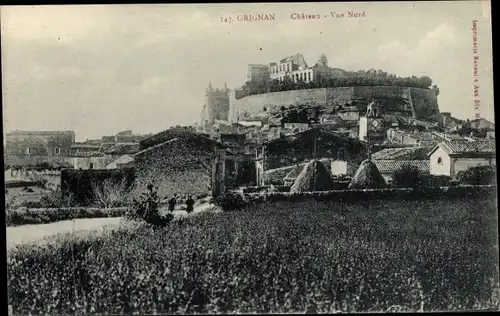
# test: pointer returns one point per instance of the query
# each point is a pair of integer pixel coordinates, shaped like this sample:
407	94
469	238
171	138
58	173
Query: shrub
407	176
44	165
482	175
146	208
433	181
110	193
230	201
55	199
79	182
39	181
25	216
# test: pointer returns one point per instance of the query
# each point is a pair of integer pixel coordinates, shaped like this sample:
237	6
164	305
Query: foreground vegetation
25	216
281	257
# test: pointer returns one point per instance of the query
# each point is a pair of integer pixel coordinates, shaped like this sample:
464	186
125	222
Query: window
440	161
28	151
91	165
57	151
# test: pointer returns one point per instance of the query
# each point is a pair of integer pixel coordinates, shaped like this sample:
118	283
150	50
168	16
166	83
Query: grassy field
282	257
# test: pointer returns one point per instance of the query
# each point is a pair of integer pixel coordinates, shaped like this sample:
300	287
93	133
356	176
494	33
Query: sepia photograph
250	158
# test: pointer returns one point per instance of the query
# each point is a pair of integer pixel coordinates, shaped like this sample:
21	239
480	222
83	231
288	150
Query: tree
424	82
407	176
482	175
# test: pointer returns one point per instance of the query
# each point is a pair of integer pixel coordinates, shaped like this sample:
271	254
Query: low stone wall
457	192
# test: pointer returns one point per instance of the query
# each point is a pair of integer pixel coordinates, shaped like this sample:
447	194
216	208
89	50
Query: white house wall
339	167
443	168
84	162
363	128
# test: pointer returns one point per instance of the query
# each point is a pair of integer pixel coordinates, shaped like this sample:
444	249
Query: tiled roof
123	148
154	147
124	159
106	146
407	153
297	59
85	145
465	146
171	142
389	166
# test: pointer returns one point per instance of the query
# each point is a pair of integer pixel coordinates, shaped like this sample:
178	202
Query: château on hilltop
291	81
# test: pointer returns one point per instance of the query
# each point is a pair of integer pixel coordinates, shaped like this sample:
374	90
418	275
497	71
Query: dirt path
30	233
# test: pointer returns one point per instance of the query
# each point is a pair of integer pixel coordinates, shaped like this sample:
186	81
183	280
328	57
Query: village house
122	162
92	161
270	132
480	124
121	149
402	153
302	147
450	157
182	162
39	143
349	114
79	148
178	165
28	149
388	167
296	127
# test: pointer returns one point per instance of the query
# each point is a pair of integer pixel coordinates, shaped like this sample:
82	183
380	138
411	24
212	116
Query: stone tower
216	106
323	60
209	106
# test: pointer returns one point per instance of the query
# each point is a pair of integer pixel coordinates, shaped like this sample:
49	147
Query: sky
101	69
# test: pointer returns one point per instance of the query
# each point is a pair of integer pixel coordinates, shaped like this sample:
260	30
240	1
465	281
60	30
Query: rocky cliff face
423	101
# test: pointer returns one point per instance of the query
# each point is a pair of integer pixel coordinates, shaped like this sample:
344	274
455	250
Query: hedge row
80	182
458	192
24	216
18	184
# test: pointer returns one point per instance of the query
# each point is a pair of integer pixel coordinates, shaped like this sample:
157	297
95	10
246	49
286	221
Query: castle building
258	72
295	67
216	107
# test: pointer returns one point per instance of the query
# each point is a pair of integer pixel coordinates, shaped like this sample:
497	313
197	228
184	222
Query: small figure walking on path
171	203
189	204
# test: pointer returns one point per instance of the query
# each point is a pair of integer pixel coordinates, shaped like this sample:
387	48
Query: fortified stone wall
424	101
